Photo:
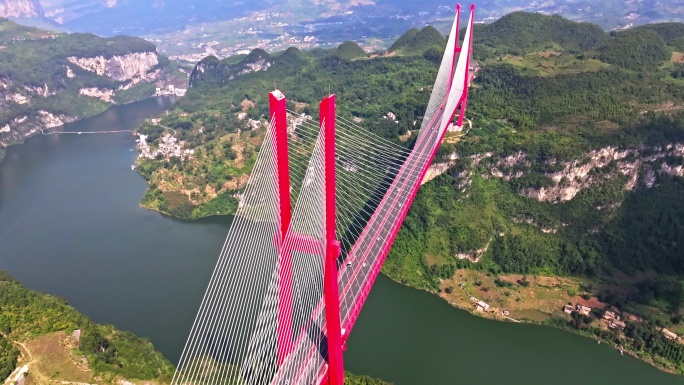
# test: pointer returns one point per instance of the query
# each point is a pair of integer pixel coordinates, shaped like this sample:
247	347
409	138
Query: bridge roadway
306	364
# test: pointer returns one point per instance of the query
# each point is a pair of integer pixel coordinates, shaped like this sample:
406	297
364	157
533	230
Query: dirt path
29	360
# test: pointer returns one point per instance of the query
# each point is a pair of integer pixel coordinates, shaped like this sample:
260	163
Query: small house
669	335
583	309
617	324
567	309
609	315
481	305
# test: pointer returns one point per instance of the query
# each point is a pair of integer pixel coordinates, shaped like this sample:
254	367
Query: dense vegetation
207	118
352	379
643	338
520	33
8	357
25	314
536	109
639	50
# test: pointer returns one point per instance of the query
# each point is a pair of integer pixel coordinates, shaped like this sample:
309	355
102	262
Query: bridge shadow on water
315	334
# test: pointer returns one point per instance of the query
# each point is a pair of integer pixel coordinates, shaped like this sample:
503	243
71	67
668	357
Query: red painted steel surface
330	287
279	115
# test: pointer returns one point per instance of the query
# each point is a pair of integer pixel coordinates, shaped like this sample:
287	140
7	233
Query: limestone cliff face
24	126
133	66
18	8
102	94
638	166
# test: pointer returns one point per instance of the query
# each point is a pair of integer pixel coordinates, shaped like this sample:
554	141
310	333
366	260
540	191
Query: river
71	225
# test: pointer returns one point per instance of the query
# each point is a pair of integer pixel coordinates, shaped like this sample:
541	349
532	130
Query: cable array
443	80
217	345
235	336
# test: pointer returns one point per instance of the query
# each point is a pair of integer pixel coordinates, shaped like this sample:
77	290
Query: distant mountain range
142	17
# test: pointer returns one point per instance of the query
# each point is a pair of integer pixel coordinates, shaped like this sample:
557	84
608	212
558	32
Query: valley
571	143
561	205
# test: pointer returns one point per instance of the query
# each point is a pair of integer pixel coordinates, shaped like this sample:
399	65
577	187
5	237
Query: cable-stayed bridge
323	205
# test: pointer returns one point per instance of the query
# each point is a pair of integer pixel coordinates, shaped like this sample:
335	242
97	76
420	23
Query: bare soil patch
247	104
592	302
53	360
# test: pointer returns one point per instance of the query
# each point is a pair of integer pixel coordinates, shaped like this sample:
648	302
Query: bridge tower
278	112
332	248
464	99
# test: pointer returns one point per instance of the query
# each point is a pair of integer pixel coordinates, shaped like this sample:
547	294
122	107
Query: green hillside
572	167
416	41
349	50
225	146
672	33
639	50
521	33
27	317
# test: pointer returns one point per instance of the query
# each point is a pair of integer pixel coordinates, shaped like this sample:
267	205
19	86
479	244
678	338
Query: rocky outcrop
259	65
121	68
637	165
475	255
19	8
43	91
22	127
17	98
437	169
5	82
48	120
102	94
257	60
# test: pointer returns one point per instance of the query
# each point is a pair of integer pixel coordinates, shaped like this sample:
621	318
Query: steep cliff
121	68
19	8
48	79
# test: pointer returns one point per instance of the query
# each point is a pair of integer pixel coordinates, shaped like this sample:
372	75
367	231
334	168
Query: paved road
307	363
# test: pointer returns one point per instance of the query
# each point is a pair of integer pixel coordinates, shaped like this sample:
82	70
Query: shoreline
496	314
41	131
544	318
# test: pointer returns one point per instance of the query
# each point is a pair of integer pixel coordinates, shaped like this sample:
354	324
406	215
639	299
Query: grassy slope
42	322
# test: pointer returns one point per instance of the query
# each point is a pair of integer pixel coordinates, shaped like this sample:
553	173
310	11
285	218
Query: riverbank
52	130
560	302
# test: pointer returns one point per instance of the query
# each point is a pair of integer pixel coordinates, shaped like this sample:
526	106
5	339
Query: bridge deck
307	362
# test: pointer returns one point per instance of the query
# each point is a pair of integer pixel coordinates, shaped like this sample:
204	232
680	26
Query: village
169	147
170	90
606	319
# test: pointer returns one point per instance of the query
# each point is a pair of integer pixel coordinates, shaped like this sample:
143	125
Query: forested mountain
49	78
572	167
227	99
